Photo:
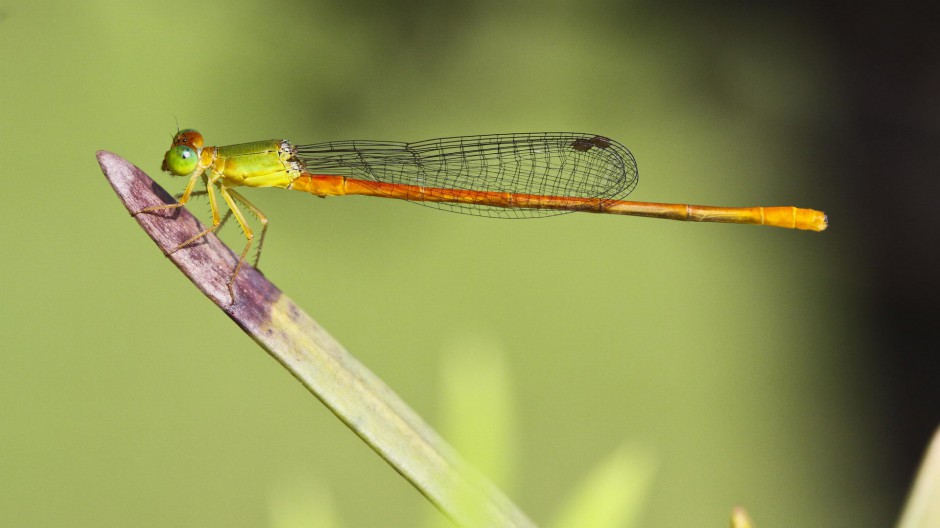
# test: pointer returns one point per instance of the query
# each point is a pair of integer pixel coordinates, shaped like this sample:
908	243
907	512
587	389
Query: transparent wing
551	164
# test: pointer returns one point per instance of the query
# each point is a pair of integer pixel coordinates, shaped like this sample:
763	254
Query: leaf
351	391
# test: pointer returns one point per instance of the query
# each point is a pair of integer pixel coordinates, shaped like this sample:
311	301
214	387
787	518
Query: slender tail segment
784	216
787	217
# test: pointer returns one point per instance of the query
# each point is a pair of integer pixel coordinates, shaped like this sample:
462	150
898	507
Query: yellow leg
259	215
240	218
183	197
216	220
225	217
187	194
229	196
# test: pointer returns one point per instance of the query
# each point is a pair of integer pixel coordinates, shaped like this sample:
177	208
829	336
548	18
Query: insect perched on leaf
499	175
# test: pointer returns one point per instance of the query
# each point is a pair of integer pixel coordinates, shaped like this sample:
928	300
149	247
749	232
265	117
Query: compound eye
181	160
188	137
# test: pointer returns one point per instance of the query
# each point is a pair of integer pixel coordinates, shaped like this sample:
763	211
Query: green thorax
268	163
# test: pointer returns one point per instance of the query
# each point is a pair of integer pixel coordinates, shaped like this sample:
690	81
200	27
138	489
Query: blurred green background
732	354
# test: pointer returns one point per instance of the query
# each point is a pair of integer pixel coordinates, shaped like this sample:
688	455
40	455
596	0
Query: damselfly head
188	137
183	155
180	160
